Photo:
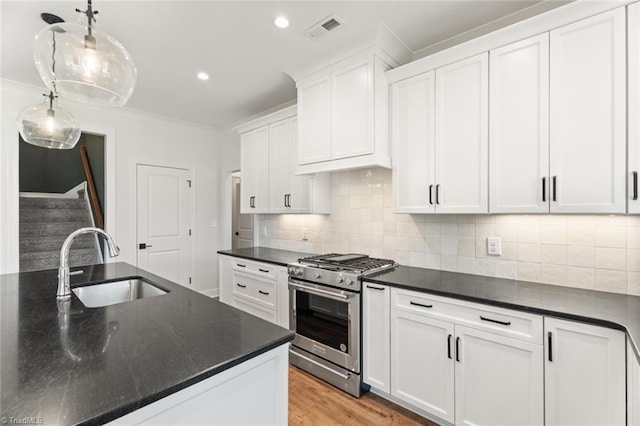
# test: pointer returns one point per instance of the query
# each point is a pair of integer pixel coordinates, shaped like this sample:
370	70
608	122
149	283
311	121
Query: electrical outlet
494	246
305	234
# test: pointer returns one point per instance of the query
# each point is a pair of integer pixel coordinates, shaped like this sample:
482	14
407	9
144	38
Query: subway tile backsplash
598	252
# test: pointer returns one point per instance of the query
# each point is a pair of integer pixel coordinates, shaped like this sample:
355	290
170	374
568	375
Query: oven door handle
331	370
319	292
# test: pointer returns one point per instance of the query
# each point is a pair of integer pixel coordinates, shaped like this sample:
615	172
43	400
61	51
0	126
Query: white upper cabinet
254	163
440	140
633	36
519	127
342	113
588	108
413	138
314	120
462	91
268	160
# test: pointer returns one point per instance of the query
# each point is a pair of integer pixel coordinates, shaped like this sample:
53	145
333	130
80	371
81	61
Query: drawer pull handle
495	321
420	304
266	293
241	285
266	271
449	346
241	265
375	288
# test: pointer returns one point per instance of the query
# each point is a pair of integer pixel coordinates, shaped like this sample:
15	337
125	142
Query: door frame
192	206
10	203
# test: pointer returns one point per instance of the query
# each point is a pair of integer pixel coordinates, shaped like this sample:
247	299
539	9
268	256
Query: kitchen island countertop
92	365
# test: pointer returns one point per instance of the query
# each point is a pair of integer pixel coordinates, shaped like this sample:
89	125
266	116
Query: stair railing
93	194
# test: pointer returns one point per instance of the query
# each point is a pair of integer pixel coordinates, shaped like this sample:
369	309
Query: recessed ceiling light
281	22
203	75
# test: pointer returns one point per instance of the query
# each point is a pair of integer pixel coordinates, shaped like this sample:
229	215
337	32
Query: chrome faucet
64	289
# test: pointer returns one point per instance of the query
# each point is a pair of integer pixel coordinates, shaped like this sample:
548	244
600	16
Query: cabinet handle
375	288
266	271
555	193
241	285
635	185
544	189
495	321
289	200
252	202
266	293
550	345
449	346
420	304
285	200
458	349
431	194
438	194
241	265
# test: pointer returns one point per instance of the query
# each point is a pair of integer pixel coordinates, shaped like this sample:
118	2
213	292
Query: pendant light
91	66
44	126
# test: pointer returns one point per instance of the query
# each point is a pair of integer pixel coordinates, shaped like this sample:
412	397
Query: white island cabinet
253	392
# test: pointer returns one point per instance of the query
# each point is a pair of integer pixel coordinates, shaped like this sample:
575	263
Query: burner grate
349	262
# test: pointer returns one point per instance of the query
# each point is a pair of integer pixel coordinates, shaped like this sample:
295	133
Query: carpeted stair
44	225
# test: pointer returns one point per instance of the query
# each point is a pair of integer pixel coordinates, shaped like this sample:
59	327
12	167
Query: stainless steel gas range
324	294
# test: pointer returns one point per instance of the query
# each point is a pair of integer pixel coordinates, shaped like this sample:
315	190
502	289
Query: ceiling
237	43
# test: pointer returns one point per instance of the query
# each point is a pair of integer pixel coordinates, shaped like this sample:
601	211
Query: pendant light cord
90	13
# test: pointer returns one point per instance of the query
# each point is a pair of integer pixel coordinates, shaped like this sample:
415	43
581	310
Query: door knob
143	246
236	233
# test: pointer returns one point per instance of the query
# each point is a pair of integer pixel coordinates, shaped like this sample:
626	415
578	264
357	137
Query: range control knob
339	279
349	281
299	271
318	275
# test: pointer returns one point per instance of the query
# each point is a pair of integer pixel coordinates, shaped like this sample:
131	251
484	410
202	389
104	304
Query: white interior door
164	222
241	223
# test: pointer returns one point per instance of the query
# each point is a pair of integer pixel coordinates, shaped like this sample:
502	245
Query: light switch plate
494	246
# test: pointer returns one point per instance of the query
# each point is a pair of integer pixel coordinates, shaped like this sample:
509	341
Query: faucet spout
64	288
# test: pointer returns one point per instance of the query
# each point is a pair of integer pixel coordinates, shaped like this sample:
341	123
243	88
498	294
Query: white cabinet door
375	336
633	35
499	380
279	154
225	279
413	134
633	386
519	127
422	367
314	120
254	164
352	110
462	136
299	196
588	108
584	374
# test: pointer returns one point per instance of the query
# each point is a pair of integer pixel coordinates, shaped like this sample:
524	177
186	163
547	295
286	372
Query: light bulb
90	64
50	125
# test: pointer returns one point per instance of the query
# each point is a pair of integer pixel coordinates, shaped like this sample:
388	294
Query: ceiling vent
322	28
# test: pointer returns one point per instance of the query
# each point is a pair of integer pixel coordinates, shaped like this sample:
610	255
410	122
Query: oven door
326	322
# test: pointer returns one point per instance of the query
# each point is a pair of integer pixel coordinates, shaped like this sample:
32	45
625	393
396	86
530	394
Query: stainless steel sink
111	293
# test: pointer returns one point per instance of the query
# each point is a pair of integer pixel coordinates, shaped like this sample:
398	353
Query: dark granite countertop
612	310
106	362
265	254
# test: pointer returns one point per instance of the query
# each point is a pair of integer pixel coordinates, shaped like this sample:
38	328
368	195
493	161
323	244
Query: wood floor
314	402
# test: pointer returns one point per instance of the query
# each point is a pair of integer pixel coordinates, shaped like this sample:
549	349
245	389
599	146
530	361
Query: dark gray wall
59	170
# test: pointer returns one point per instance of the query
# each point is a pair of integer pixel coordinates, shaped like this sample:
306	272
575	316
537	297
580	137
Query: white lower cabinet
422	367
584	374
499	380
633	386
260	289
473	364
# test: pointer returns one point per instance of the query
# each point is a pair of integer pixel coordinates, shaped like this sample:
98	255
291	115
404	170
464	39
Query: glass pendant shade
46	127
87	65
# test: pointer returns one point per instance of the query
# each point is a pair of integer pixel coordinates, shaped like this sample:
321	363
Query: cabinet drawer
506	322
256	268
253	309
259	291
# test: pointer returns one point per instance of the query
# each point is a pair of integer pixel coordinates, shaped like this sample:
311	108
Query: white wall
599	252
139	138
